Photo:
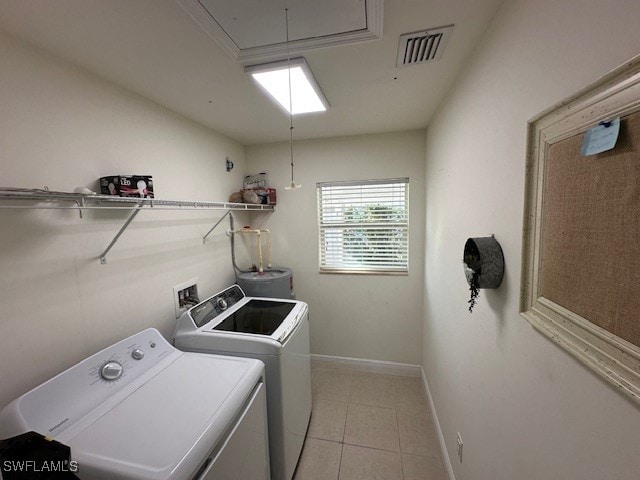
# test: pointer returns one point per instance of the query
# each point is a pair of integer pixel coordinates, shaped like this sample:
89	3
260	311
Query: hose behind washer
233	250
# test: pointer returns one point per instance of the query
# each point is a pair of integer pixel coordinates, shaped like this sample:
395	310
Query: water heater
275	282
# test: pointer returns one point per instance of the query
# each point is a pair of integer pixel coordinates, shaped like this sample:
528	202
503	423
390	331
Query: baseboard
446	460
371	366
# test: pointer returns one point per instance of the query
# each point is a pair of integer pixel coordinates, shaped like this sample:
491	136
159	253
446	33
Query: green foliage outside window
373	244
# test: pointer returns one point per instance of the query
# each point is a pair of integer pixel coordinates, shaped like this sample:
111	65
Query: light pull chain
293	185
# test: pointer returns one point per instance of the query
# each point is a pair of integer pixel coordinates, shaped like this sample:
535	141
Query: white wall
525	408
63	128
363	316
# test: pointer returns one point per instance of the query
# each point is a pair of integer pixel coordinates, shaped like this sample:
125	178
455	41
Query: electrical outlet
185	296
459	439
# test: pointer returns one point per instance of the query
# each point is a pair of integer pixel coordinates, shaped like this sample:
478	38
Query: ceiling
157	49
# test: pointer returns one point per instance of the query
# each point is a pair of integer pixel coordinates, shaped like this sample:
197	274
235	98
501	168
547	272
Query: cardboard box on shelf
257	181
127	186
267	196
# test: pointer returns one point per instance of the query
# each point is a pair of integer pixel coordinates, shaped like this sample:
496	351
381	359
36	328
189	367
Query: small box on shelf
267	196
257	181
127	186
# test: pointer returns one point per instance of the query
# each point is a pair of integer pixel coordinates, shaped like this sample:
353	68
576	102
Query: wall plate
185	295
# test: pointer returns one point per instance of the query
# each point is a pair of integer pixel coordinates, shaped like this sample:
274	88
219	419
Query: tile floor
368	426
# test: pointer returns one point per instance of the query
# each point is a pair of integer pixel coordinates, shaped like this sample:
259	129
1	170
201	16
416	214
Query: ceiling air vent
422	46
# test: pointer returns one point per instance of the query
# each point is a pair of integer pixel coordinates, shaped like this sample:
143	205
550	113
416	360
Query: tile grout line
399	442
344	430
340	460
375	448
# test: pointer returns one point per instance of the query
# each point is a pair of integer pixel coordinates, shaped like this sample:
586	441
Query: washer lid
261	317
168	426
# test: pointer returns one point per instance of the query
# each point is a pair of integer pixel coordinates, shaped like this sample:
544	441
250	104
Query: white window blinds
364	226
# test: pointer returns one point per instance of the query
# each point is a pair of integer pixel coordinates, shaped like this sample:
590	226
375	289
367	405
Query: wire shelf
50	200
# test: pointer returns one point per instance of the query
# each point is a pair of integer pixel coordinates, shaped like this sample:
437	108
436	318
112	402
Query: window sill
403	273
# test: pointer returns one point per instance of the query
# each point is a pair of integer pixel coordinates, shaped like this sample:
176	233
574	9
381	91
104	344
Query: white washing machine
275	331
143	410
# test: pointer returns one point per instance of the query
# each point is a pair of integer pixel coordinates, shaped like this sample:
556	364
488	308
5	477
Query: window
364	226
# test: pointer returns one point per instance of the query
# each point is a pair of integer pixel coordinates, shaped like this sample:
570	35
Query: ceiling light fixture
291	84
306	95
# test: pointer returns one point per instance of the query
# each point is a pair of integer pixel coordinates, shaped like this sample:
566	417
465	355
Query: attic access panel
255	29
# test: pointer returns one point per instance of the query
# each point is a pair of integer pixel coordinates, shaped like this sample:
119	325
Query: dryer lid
168	426
158	420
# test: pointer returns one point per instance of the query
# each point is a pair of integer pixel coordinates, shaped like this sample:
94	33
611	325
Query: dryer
275	331
143	410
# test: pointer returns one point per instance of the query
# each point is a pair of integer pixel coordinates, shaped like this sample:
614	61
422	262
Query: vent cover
422	46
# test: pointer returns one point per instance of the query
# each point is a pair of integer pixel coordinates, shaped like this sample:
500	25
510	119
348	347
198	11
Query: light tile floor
368	426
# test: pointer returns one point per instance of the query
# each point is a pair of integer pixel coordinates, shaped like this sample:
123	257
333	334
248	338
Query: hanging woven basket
483	263
483	257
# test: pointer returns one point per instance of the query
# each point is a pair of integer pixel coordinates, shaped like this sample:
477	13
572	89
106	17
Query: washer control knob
222	303
137	354
111	371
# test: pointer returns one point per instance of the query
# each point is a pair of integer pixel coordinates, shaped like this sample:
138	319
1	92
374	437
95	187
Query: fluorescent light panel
306	95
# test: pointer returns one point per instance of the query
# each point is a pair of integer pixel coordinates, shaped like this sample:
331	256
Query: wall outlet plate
185	296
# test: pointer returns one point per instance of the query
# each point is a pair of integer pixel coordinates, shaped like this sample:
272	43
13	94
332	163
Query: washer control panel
222	303
206	311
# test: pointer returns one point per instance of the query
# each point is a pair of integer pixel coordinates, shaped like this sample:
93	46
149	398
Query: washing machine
275	331
144	410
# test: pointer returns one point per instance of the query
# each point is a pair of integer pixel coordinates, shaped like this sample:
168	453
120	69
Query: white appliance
143	410
275	331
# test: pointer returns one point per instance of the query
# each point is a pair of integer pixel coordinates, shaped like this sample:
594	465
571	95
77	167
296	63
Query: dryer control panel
58	403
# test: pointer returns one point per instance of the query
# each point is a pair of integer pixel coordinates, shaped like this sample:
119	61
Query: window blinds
364	226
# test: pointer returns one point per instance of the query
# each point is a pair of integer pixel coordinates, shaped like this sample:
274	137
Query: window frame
387	269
